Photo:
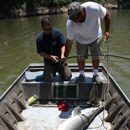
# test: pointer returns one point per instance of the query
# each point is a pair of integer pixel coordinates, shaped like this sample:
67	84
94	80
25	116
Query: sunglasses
47	29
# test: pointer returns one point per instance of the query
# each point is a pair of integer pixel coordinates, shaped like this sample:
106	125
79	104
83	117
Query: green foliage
6	6
64	2
11	4
50	3
30	4
104	1
55	3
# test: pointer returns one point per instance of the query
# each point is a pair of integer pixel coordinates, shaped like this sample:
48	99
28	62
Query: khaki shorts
82	49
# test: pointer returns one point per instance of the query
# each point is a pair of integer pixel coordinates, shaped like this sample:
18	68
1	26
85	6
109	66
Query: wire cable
105	55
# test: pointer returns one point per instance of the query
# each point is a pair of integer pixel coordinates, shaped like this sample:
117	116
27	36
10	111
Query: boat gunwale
118	88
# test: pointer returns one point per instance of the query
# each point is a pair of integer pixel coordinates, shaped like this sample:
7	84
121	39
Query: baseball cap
74	10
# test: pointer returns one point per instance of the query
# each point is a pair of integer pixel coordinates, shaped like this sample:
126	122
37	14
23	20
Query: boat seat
34	76
38	77
34	82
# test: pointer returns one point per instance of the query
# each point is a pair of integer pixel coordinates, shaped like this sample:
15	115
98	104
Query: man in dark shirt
51	46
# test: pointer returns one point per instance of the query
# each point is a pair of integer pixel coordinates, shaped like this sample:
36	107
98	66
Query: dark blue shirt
50	44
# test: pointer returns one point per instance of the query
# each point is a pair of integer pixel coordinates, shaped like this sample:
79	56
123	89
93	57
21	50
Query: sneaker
81	78
97	79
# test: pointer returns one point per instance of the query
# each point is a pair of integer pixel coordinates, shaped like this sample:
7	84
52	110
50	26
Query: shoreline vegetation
22	12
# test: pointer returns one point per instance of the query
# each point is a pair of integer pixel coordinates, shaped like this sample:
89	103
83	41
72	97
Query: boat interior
30	82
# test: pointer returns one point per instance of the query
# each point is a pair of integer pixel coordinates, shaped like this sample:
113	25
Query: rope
103	45
107	86
97	126
104	55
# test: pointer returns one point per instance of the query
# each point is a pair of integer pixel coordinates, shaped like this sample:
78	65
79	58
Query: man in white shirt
84	23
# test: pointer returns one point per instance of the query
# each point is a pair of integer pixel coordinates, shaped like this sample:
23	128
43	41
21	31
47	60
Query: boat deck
50	118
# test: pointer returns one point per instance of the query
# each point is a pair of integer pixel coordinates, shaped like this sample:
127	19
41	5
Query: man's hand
54	58
63	59
106	35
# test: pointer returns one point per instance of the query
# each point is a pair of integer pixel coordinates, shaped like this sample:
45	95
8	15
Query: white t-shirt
90	29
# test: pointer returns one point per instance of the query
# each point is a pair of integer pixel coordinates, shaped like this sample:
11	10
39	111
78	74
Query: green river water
18	47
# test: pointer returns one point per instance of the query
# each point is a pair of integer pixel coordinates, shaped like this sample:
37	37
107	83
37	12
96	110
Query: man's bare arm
68	47
107	24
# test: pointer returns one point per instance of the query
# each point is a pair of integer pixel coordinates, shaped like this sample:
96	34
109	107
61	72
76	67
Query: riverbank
44	11
28	13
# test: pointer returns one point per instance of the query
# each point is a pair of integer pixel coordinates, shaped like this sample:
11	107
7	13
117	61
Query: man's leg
81	50
49	72
81	64
95	63
96	51
81	78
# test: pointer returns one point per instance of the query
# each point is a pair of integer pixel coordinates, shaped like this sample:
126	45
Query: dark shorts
82	49
50	70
